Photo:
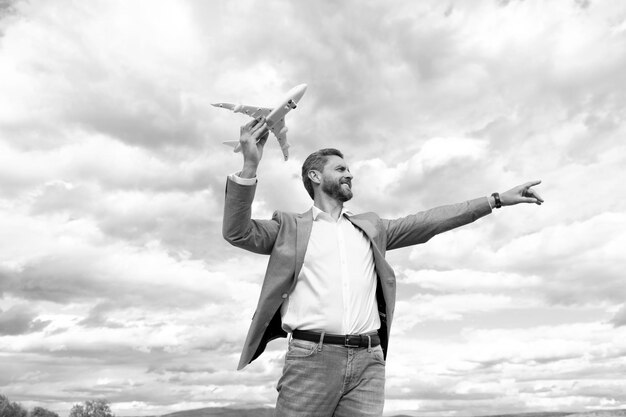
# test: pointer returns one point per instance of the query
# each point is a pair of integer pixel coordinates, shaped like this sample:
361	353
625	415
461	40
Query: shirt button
285	295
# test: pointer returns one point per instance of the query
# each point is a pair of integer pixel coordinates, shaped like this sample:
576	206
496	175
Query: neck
328	205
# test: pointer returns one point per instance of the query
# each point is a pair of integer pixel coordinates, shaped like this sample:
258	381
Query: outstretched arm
420	227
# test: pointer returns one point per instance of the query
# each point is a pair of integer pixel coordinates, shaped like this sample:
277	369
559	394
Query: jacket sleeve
239	229
420	227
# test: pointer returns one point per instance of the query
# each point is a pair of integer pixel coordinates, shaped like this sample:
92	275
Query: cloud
512	366
149	276
20	319
130	101
578	262
461	279
409	180
620	317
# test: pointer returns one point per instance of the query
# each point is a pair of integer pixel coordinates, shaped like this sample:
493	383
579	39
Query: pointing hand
522	194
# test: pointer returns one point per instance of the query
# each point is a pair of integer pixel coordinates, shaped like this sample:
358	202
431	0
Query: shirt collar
317	212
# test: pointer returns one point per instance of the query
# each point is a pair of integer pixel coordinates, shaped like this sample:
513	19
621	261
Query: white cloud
460	279
513	367
423	308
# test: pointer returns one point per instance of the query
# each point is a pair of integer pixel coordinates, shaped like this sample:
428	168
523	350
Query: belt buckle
350	345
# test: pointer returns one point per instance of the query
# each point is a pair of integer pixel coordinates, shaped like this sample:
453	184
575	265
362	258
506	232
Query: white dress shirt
335	291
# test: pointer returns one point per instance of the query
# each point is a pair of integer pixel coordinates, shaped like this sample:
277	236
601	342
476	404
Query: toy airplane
275	118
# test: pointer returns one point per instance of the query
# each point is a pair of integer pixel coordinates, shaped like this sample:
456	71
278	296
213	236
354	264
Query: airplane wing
252	111
229	106
280	131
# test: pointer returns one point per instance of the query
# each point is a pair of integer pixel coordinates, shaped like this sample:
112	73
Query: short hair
316	161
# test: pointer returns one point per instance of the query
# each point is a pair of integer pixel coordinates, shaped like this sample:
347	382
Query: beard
336	190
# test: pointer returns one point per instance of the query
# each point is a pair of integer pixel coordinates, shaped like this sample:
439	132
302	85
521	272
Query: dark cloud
186	369
602	390
99	316
583	4
84	275
53	279
145	121
8	9
20	319
182	221
504	3
619	319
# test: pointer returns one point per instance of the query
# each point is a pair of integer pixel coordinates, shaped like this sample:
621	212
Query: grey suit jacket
285	238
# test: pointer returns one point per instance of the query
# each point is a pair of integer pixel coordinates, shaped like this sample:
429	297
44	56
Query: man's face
337	179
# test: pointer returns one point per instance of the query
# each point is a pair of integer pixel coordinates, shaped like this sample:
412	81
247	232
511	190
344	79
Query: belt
347	340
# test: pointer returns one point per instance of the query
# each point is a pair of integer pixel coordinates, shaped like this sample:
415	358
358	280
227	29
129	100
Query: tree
42	412
11	409
92	408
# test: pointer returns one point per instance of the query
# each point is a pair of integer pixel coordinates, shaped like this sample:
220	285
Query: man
327	283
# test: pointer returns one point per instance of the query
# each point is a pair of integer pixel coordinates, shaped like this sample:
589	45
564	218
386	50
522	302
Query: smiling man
327	283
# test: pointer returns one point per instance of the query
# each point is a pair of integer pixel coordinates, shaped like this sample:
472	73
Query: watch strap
496	197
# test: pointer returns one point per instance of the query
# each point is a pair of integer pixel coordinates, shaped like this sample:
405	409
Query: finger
261	136
259	128
246	128
536	195
250	128
532	183
529	192
250	124
257	123
256	130
529	200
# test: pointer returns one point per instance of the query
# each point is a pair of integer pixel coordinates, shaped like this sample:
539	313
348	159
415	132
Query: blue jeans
331	381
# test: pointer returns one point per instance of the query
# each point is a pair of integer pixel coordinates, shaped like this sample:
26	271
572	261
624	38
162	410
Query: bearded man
327	284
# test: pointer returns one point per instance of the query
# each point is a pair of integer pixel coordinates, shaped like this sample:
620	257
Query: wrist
249	170
497	201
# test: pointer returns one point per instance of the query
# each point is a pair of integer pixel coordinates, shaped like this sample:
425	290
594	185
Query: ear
315	176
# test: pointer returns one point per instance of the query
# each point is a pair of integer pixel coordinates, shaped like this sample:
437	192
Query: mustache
349	182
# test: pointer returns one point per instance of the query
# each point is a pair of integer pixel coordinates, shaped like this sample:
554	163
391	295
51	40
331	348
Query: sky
116	283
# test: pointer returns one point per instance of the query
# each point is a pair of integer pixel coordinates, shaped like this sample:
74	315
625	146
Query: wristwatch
496	197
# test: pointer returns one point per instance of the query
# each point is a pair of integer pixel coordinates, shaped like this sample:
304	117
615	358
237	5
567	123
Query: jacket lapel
304	223
362	224
382	267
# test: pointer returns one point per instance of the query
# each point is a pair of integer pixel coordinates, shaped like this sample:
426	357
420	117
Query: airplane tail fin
233	144
285	150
